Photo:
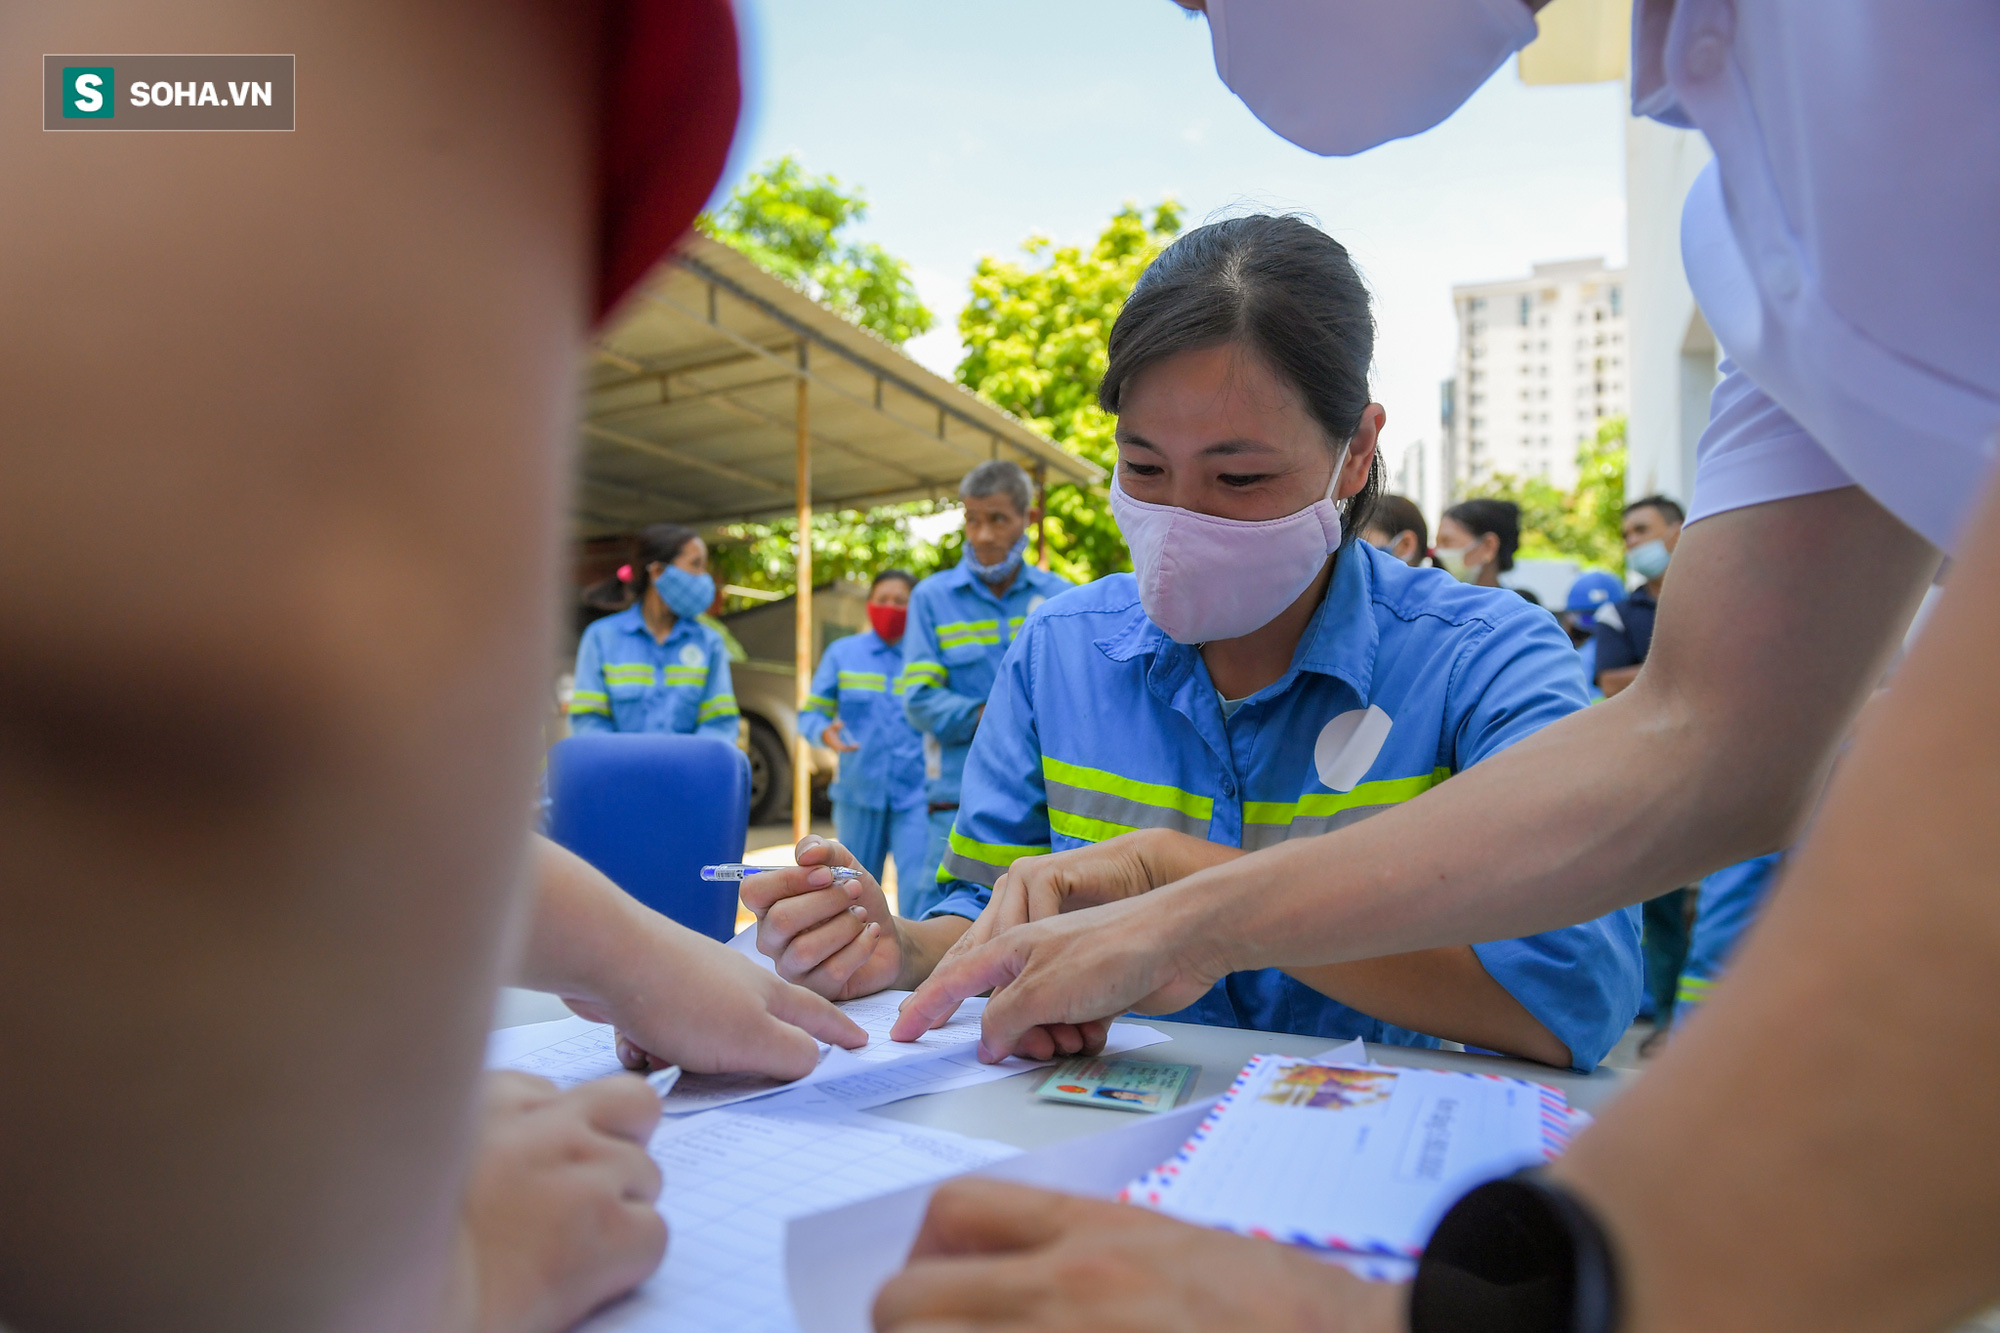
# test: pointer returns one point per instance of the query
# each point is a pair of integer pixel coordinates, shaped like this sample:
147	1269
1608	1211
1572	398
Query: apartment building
1542	360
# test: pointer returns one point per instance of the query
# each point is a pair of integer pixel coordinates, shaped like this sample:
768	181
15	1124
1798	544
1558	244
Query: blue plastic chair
650	811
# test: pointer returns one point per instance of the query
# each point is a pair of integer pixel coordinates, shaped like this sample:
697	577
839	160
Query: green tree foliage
1580	524
789	222
1035	334
850	544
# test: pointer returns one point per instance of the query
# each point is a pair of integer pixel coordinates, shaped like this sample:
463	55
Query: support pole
803	602
1042	523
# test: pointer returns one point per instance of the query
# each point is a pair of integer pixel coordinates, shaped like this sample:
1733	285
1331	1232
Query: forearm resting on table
584	930
1444	992
1715	754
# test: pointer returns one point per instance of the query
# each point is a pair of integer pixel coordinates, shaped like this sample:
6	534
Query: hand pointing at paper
844	942
1002	1256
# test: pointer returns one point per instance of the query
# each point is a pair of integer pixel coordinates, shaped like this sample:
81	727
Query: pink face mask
1203	579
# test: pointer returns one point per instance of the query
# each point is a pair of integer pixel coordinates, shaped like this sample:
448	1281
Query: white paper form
1351	1158
733	1180
572	1050
835	1261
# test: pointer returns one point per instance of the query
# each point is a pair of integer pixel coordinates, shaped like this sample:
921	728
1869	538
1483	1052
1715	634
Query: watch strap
1517	1255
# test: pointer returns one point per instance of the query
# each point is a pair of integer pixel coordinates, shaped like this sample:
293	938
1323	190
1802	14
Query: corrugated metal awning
691	408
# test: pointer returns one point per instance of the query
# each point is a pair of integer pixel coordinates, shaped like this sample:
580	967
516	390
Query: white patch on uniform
1608	615
1347	746
692	655
933	757
1034	602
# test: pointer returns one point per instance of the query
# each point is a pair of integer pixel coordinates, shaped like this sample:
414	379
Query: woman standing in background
1477	539
856	711
654	666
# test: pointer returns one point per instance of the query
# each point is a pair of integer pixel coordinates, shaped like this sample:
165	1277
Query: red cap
671	96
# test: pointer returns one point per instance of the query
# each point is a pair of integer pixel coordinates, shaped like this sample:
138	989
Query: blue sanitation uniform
1586	657
1729	903
878	801
957	633
1100	724
628	681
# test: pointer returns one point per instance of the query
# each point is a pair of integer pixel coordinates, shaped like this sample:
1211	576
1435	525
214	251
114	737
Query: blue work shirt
956	635
1100	724
855	682
626	680
1624	633
1586	657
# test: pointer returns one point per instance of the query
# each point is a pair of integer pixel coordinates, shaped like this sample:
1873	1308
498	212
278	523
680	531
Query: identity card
1126	1085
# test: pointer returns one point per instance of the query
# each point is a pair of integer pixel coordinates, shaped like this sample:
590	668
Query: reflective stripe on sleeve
589	701
981	862
921	673
722	705
819	703
1268	823
1091	804
1693	990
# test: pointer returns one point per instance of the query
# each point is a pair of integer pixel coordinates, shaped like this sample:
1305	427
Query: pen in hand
737	871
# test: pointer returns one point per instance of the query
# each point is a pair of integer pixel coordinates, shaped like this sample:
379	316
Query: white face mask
1451	559
1338	77
1203	579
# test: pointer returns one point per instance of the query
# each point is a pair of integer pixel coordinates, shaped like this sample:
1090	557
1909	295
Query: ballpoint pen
737	870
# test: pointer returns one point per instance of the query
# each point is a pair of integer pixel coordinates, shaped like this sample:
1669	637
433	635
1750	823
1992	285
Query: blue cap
1592	589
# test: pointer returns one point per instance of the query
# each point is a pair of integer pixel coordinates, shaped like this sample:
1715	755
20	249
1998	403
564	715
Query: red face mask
888	620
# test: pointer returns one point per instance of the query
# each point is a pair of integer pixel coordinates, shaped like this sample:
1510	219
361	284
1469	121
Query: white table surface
1009	1111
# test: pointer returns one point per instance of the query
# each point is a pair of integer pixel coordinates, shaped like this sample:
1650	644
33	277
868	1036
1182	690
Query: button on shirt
957	633
856	683
628	681
1100	724
1844	245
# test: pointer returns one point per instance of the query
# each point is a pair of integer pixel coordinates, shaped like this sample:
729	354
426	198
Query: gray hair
999	477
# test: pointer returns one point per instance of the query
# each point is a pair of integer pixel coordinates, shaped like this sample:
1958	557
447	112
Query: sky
971	126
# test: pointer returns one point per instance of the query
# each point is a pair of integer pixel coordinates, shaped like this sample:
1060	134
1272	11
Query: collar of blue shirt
1032	577
1340	641
632	620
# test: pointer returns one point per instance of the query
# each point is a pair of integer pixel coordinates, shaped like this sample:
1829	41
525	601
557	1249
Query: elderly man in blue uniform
961	623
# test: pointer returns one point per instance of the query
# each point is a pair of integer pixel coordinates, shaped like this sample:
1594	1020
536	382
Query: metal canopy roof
690	415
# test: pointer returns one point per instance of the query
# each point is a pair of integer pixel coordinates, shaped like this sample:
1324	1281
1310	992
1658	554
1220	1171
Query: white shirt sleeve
1753	452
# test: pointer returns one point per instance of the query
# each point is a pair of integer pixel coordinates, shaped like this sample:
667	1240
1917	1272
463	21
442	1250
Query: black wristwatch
1518	1255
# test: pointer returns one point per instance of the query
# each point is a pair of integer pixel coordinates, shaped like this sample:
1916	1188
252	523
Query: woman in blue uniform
857	711
654	666
1261	676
